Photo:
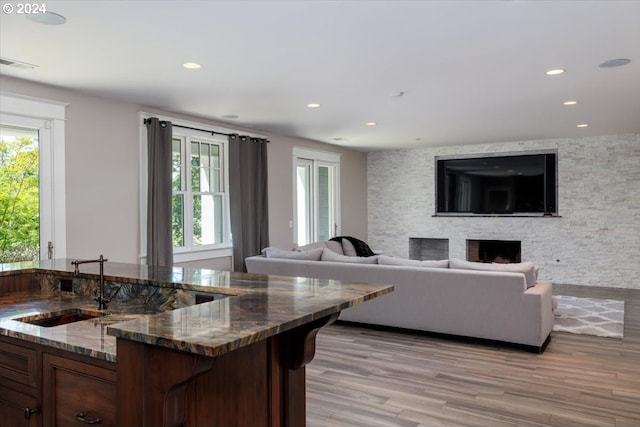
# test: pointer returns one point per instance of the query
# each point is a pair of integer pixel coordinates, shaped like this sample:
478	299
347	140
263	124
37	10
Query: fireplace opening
428	249
499	251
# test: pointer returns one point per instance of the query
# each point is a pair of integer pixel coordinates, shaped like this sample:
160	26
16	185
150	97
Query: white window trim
179	255
319	156
54	115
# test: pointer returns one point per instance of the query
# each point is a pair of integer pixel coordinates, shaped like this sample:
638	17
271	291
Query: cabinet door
17	409
77	393
18	363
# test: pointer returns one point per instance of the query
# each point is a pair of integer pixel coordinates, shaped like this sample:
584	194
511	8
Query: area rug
589	316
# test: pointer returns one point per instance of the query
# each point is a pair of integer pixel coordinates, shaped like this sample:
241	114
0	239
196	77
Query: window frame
317	159
188	252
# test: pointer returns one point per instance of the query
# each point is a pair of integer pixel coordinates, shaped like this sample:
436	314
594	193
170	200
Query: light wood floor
366	378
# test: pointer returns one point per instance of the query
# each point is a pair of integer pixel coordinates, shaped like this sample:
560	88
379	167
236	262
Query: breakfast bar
176	346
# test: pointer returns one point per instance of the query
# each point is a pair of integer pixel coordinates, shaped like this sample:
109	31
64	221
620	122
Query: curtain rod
212	132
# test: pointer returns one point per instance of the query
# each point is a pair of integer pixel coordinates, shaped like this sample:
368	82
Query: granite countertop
257	307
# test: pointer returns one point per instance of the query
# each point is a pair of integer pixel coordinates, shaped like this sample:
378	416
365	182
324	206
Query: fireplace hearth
499	251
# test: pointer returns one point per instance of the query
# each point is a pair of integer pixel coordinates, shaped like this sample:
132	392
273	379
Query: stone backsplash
152	298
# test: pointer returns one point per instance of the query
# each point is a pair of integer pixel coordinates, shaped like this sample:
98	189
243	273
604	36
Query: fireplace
428	249
500	251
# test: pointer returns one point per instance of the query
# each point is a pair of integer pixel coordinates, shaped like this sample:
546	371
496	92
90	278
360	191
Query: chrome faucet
100	298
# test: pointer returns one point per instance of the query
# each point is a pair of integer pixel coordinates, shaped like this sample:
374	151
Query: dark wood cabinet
19	409
19	364
40	386
19	384
76	392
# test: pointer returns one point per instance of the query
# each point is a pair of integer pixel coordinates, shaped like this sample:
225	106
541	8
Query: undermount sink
57	318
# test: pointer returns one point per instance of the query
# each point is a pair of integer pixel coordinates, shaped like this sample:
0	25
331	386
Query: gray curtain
248	197
159	151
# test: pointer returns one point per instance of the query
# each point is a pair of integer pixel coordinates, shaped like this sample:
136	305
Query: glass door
304	202
325	214
25	197
315	201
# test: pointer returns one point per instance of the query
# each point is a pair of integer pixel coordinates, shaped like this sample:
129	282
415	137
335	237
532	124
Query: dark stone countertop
258	306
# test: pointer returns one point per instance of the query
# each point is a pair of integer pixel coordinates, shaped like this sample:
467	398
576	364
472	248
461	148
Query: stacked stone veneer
595	240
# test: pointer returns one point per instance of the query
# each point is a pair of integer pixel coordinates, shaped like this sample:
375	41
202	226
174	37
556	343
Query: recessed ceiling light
191	65
371	123
614	63
46	18
313	105
398	94
554	72
582	125
569	102
230	116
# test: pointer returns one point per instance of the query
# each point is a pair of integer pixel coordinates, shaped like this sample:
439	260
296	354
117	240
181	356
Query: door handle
88	418
29	411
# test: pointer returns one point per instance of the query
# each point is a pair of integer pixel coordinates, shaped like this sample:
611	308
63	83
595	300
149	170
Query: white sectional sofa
492	305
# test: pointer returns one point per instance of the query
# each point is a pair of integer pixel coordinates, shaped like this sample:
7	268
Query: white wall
595	241
102	174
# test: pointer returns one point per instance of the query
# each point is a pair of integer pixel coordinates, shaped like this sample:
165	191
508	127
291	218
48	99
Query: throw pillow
314	245
310	255
348	249
527	268
329	255
334	246
389	260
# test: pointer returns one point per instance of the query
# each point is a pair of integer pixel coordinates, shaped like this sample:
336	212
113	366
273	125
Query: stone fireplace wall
595	240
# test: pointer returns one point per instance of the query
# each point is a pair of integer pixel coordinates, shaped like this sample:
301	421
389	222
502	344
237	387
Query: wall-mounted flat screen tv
514	184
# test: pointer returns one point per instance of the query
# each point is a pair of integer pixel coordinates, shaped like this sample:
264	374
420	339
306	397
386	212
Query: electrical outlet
66	285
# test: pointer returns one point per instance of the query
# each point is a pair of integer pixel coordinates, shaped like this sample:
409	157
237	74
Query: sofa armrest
542	291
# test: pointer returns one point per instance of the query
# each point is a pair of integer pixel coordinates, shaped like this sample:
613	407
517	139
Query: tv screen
497	185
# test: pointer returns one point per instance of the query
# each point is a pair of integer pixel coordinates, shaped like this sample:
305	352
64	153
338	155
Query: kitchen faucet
100	298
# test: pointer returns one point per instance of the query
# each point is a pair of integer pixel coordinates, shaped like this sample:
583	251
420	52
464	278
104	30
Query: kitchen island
176	346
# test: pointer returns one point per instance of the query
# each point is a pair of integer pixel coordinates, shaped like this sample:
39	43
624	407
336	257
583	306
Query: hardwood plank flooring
362	377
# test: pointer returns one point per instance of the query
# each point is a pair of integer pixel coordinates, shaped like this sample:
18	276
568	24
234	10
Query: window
316	195
200	201
199	193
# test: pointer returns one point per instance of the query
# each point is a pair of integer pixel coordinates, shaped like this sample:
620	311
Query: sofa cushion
329	255
310	255
529	269
334	246
389	260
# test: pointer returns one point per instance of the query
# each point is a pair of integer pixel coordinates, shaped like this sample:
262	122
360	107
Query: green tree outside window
19	200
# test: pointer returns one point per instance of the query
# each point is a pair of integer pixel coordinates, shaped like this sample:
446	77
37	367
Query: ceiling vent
17	64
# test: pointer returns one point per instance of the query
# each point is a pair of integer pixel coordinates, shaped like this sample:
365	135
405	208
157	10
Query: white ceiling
472	71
